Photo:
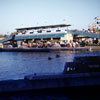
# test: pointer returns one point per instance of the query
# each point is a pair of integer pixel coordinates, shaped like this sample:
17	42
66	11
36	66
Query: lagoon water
15	65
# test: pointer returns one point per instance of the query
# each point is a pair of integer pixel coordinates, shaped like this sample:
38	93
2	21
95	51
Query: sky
29	13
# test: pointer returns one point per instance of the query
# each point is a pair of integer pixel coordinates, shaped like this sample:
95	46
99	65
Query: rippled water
15	65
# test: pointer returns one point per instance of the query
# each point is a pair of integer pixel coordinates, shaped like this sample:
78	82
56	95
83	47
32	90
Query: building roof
34	36
86	34
43	27
6	39
50	35
39	36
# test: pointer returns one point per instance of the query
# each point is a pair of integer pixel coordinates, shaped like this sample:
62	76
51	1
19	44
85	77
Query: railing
41	32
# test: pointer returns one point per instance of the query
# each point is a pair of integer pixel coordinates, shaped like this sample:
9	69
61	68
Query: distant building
50	32
53	33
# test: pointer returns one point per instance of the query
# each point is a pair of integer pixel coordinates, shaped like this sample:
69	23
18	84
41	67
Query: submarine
82	72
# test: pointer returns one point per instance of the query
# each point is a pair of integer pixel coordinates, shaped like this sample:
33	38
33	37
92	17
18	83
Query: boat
85	64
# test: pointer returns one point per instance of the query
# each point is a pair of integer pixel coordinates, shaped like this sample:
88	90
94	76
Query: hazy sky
27	13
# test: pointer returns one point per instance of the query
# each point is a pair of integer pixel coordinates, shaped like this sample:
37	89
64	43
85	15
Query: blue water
15	65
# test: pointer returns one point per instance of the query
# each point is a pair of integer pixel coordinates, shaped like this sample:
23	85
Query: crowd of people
53	44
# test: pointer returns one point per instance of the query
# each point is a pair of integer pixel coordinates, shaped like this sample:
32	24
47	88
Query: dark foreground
40	82
74	93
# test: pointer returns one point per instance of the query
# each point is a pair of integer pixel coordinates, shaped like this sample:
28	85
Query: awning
39	36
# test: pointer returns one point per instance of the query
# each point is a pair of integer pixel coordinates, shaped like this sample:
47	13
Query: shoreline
44	49
93	48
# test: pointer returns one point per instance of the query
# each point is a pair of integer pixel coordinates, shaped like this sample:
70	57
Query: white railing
43	32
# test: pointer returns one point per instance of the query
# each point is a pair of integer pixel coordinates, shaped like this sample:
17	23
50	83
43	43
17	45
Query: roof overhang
39	36
43	27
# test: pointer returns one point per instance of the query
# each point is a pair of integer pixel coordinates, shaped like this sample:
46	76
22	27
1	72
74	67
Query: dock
44	49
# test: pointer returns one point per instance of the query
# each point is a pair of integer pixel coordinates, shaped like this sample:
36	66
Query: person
49	44
9	46
68	44
77	44
74	45
1	45
57	44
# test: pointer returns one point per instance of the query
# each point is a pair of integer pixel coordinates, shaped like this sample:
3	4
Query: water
15	65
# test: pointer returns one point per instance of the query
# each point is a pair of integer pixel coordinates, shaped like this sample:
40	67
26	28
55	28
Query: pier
44	49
